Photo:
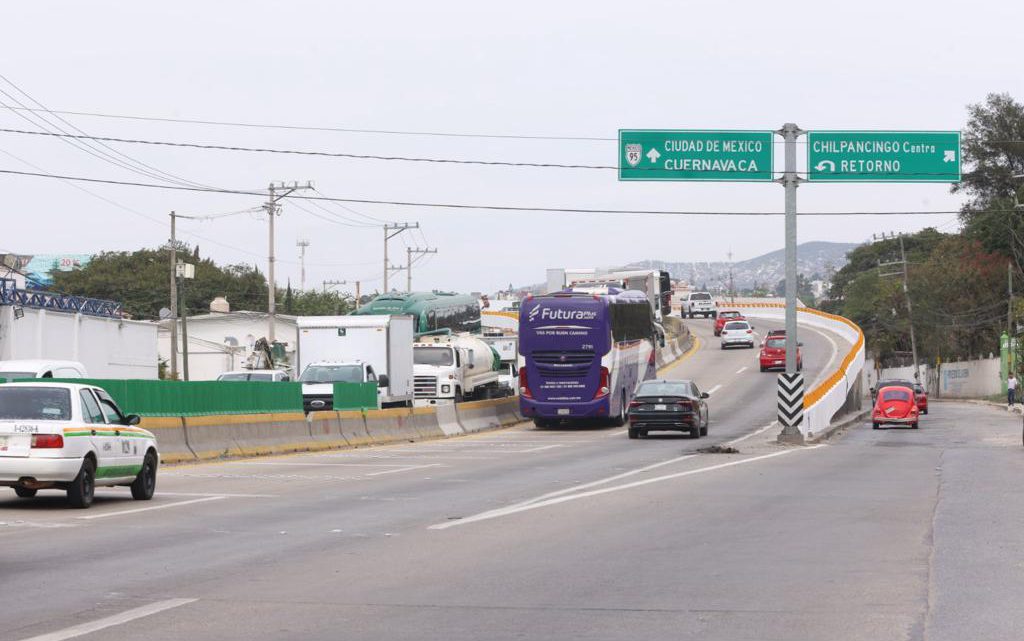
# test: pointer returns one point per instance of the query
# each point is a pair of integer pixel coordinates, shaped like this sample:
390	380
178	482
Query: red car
773	354
725	317
921	398
895	406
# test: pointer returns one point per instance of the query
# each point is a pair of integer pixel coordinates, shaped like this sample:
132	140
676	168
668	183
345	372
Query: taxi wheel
913	425
81	490
875	426
145	483
25	492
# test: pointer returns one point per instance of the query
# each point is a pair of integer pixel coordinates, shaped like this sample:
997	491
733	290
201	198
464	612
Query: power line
352	130
434	160
520	208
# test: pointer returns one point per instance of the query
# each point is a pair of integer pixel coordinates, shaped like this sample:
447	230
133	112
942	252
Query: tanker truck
454	367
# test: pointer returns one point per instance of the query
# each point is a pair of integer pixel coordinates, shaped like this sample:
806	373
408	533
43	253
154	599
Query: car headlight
446	389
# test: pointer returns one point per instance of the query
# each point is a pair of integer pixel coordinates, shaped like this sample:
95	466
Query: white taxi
72	437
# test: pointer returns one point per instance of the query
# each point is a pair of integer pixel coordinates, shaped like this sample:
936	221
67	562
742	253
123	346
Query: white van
41	368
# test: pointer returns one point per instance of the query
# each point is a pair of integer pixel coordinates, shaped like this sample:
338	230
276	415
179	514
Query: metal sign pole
791	383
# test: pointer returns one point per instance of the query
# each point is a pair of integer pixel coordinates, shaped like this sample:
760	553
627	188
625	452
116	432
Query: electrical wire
454	161
129	163
485	207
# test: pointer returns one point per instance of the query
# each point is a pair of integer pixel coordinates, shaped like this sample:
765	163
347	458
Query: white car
72	437
737	333
699	303
41	368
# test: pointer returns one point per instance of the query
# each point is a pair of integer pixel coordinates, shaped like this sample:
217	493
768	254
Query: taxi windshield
21	403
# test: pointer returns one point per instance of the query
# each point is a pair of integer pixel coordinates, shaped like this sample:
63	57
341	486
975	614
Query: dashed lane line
108	622
741	370
714	389
407	468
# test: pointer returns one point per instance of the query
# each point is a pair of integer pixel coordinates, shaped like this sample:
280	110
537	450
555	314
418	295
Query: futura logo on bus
546	313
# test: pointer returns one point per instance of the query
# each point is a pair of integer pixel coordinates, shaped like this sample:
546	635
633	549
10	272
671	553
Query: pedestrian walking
1011	389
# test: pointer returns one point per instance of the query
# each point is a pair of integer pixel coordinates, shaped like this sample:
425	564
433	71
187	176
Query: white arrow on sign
825	165
949	156
653	155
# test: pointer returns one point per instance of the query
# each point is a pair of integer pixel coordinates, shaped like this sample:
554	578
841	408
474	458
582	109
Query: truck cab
318	381
454	368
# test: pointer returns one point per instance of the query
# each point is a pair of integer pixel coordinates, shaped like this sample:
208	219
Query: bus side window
431	320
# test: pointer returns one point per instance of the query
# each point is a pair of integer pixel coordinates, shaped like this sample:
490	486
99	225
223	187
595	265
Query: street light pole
174	300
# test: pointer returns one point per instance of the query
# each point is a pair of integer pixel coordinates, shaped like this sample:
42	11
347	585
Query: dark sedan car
676	406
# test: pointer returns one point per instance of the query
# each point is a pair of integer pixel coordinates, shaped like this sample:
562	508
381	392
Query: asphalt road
552	534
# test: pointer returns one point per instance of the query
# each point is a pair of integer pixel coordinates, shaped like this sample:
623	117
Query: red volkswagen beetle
921	398
895	406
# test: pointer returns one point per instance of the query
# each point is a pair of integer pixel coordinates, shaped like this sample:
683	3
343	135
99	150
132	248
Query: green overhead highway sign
688	154
883	156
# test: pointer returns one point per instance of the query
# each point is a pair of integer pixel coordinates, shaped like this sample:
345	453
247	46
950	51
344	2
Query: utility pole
174	300
1009	289
732	290
272	209
390	231
302	245
903	272
409	260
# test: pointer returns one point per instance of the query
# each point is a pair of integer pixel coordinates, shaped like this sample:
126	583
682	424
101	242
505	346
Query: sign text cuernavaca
659	154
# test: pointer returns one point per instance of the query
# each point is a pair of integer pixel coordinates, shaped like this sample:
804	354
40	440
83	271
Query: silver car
737	333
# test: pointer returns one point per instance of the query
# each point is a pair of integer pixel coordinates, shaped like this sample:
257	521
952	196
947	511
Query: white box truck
354	349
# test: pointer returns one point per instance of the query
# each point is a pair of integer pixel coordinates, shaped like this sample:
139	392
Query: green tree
139	280
994	154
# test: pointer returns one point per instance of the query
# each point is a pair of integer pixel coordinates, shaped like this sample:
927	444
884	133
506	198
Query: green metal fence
198	398
355	396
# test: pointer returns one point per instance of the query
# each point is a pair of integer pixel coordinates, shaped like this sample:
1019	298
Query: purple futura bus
584	354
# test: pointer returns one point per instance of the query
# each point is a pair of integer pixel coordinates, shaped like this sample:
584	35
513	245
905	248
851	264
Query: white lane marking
538	449
217	494
506	511
619	433
109	622
164	506
714	389
741	370
759	430
407	468
12	524
608	479
297	463
827	369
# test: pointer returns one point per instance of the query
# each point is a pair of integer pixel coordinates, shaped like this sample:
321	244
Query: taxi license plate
563	411
660	408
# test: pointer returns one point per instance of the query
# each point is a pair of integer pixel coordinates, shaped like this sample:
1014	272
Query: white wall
209	355
108	347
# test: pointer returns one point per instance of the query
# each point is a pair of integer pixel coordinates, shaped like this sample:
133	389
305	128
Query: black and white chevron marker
791	399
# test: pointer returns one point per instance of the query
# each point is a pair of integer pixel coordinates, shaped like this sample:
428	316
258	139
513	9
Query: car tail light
750	331
47	441
633	404
604	386
686	405
524	386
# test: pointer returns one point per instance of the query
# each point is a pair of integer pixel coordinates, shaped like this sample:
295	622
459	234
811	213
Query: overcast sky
571	69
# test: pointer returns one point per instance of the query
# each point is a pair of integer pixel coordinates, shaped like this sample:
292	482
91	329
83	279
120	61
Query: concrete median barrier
392	425
448	420
170	438
248	434
476	416
508	411
325	430
352	425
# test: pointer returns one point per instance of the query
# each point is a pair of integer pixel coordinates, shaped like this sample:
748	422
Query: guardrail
824	400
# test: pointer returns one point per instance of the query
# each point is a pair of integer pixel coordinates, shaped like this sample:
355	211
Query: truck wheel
458	395
81	490
25	492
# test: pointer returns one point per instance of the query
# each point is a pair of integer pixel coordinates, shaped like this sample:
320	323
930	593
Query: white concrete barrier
825	399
